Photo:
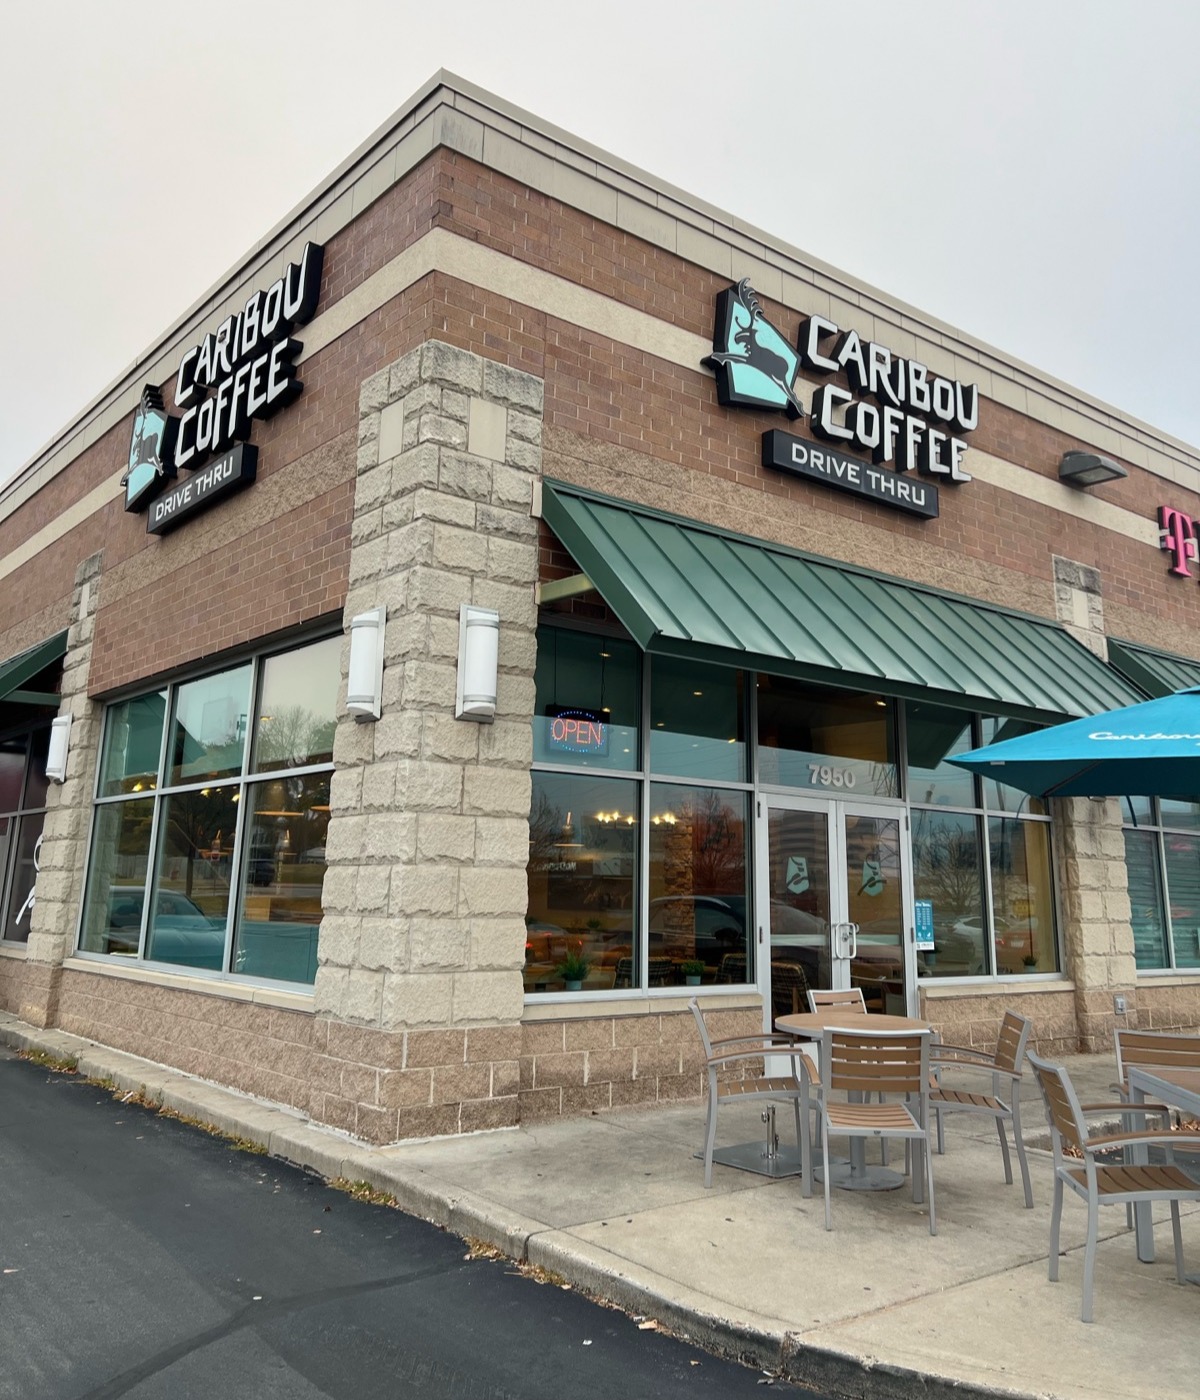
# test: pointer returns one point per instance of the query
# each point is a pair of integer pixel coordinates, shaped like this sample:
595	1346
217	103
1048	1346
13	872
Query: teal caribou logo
755	366
151	449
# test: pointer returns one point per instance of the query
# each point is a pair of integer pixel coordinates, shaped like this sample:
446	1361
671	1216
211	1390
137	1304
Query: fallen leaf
648	1326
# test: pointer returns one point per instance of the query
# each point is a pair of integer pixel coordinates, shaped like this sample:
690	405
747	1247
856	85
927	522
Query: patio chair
1003	1104
862	1063
1159	1049
1106	1182
732	1053
851	1000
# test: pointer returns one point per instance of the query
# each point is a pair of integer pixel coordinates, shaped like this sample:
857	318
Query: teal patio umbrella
1146	750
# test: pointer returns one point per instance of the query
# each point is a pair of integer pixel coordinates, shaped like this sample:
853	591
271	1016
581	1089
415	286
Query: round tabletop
811	1024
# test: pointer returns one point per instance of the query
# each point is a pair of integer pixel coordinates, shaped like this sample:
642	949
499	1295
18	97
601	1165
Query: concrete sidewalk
615	1203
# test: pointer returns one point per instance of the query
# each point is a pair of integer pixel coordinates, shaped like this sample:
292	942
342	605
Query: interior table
1181	1089
854	1175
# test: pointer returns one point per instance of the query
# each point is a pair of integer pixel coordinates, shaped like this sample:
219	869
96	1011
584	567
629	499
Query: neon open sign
578	731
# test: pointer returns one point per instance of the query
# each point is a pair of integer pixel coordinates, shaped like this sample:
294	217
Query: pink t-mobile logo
1177	535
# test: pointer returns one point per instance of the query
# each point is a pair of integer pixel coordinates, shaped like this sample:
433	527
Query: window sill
231	991
13	950
1005	987
1173	976
571	1007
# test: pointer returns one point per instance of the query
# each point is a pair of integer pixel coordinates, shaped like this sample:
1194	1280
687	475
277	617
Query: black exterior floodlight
1088	469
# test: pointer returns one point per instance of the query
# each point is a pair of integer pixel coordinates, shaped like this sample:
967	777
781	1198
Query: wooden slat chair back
863	1063
733	1054
1003	1103
1106	1182
851	1000
1153	1049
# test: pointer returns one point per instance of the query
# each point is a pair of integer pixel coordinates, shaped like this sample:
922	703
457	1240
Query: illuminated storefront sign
899	413
243	371
578	731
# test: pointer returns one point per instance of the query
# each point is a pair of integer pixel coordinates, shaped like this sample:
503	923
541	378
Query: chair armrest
1121	1106
792	1052
768	1039
1109	1141
939	1047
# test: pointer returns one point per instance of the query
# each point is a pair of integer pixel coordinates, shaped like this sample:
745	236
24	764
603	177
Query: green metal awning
685	589
17	670
1158	673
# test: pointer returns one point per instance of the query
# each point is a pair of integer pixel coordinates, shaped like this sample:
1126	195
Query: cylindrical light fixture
60	743
478	663
364	687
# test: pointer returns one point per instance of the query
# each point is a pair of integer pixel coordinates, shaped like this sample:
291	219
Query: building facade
765	547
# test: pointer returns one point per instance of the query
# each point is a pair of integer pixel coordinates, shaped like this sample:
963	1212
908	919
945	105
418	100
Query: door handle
852	929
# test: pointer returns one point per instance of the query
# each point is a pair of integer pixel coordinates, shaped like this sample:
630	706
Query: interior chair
1003	1103
732	1053
789	988
862	1063
1107	1182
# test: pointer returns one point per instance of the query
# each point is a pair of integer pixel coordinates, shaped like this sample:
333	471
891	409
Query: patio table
1181	1089
854	1175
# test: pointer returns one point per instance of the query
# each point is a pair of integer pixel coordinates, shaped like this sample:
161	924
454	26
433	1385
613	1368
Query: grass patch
60	1064
363	1191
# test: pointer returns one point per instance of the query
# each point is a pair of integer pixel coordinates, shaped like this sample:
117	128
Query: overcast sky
1024	171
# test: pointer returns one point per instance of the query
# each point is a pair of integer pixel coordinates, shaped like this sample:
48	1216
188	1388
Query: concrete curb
290	1137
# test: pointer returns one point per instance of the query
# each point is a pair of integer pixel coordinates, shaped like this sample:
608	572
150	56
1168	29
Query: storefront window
831	741
697	721
1146	912
588	705
583	844
22	816
699	894
231	846
117	870
1161	843
986	874
947	857
1022	901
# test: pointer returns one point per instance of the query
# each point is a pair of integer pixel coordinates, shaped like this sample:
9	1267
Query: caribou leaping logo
151	449
755	366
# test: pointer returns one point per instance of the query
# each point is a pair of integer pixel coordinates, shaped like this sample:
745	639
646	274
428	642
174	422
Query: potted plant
693	970
573	969
1030	961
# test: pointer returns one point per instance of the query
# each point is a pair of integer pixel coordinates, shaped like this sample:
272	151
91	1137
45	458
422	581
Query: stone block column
419	983
1095	918
64	834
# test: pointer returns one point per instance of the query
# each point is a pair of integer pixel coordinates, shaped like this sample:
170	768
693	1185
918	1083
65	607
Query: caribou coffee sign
243	371
904	417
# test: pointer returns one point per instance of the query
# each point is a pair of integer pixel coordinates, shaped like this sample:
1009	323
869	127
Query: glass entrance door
834	904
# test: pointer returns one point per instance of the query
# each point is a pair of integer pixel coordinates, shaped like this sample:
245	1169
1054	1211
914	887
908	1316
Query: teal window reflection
208	729
937	733
132	745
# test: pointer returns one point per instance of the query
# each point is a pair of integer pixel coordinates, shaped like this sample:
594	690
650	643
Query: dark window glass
583	835
132	745
699	894
1181	815
12	770
37	785
297	709
998	796
1145	899
26	849
282	870
948	871
1183	891
208	730
191	900
697	720
1022	895
834	741
587	709
116	890
935	734
1138	810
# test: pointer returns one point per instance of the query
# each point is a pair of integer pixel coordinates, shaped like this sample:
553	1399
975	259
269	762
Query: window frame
17	816
1159	830
244	780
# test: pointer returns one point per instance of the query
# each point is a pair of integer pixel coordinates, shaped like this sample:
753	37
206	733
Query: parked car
180	930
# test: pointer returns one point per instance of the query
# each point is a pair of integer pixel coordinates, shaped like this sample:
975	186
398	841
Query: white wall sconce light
364	687
478	663
1088	469
60	743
